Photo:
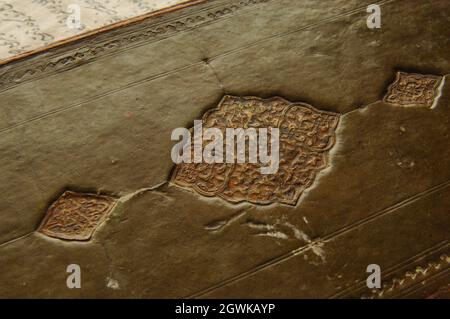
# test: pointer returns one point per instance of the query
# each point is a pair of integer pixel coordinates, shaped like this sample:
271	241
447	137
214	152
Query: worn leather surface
96	116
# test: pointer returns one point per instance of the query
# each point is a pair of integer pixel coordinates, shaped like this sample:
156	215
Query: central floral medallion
306	136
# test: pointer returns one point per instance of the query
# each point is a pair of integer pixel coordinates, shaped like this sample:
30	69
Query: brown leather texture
88	179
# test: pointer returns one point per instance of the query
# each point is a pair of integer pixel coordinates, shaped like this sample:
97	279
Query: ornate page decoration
306	136
75	216
411	89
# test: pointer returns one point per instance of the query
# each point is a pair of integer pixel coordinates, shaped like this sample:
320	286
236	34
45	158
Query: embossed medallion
410	89
306	136
75	216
